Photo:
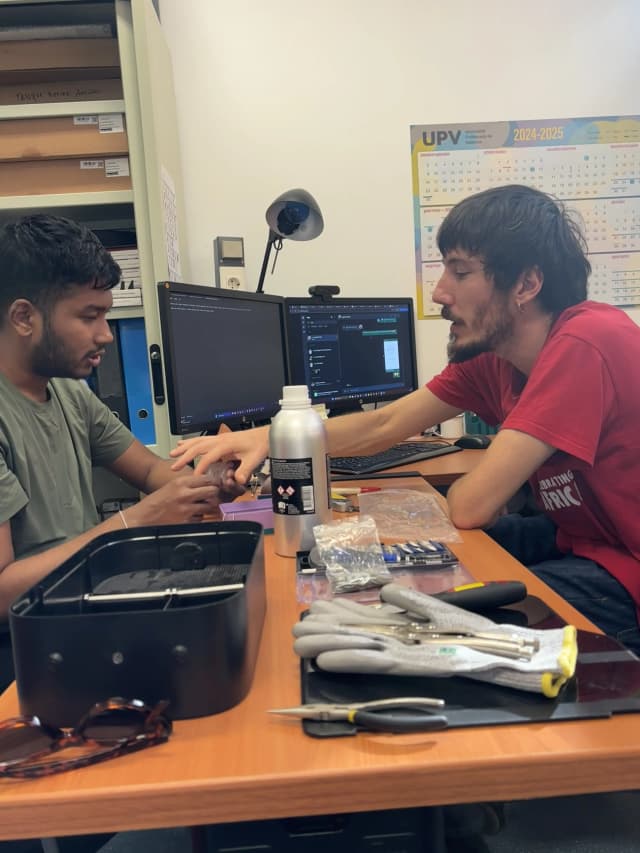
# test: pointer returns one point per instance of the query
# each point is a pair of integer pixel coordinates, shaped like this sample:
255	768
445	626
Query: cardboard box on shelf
29	32
59	89
69	175
43	75
59	53
63	136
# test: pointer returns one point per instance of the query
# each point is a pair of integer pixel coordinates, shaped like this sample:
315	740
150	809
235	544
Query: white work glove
333	634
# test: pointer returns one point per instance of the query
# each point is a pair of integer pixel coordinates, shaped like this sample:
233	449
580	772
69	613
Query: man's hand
247	447
222	476
180	501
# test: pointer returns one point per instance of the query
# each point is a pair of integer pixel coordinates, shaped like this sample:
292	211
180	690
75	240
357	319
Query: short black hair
515	228
42	257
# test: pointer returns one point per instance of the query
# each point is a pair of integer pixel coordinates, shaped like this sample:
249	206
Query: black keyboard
399	454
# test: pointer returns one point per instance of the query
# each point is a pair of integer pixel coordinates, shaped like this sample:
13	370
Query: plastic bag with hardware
408	514
351	553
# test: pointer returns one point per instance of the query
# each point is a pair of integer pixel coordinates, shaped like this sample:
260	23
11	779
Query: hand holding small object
248	447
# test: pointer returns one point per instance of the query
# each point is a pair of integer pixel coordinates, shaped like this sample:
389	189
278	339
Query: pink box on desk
259	510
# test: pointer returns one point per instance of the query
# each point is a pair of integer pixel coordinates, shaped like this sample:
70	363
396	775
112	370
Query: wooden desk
245	764
443	470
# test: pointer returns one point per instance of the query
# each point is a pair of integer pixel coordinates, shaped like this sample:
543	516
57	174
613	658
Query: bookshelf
143	83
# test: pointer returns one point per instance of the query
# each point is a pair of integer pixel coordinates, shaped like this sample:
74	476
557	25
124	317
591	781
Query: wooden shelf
61	108
125	312
18	203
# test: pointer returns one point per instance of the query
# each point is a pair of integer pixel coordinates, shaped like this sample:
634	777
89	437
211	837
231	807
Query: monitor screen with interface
351	351
224	356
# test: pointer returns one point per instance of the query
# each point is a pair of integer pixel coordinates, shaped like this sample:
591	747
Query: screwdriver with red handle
479	595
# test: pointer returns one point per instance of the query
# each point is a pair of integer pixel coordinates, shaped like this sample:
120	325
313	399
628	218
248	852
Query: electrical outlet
232	278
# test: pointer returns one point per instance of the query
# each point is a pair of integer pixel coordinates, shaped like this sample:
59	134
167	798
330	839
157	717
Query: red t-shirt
582	397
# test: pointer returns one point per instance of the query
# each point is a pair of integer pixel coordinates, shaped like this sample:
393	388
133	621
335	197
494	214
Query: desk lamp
294	215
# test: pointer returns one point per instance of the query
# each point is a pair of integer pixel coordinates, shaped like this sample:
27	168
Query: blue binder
137	381
107	380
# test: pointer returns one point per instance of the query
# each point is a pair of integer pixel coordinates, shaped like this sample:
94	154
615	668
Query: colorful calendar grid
592	164
609	224
615	279
430	220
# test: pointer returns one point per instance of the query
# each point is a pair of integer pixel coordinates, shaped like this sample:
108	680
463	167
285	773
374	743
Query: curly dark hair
42	257
515	228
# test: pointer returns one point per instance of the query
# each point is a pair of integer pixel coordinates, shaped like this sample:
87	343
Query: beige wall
321	93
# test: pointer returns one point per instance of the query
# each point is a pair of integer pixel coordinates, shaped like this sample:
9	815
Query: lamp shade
295	215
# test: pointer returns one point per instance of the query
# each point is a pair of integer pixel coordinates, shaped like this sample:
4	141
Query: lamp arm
265	261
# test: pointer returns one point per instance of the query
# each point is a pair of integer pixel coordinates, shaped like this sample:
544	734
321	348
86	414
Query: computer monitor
224	356
351	351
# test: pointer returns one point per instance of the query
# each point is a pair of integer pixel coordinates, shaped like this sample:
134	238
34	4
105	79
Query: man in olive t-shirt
47	452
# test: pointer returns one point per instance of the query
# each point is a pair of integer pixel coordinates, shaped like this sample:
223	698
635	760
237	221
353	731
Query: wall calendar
591	164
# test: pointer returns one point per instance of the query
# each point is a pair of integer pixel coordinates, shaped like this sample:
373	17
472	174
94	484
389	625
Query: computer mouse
473	442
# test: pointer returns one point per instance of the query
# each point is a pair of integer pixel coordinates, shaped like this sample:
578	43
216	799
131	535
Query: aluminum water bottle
299	472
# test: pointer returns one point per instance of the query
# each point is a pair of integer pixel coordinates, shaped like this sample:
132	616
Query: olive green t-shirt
47	451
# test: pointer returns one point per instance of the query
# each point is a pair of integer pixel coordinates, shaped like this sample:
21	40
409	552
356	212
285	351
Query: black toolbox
172	612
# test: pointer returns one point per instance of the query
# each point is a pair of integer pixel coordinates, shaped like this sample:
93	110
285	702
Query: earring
520	307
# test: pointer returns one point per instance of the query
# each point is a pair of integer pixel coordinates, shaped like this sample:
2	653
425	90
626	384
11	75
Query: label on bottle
292	486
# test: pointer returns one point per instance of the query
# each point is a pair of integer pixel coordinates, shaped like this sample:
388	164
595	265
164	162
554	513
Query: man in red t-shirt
559	373
577	400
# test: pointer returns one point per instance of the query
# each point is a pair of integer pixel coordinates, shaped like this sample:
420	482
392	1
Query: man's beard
51	358
497	330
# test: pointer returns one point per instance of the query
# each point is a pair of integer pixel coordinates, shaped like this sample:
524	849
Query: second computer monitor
351	351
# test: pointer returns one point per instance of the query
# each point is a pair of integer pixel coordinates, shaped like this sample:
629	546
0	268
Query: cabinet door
147	78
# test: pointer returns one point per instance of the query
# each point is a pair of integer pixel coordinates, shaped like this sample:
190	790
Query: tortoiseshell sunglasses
30	747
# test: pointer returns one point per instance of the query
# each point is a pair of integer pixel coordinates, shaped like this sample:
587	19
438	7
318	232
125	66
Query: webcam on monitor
324	291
